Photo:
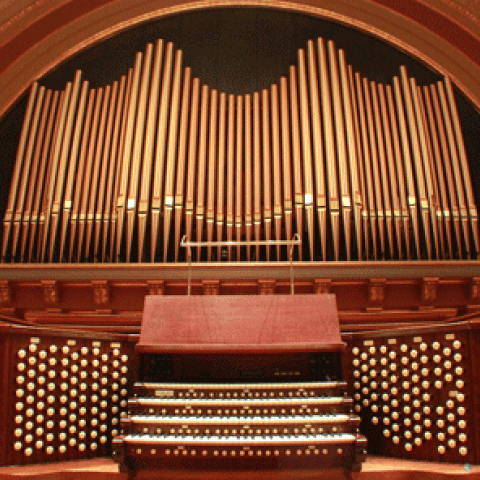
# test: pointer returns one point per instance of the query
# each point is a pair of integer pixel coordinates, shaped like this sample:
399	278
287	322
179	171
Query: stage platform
375	468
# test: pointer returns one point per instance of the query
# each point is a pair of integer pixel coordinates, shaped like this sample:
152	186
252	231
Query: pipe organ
364	170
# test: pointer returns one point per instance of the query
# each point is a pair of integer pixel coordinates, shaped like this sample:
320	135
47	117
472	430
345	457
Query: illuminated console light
441	449
396	440
461	410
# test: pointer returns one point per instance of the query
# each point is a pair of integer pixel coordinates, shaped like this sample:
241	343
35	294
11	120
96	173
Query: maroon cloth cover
229	324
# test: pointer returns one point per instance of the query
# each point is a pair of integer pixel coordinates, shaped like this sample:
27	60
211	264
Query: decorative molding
211	287
322	287
156	287
266	287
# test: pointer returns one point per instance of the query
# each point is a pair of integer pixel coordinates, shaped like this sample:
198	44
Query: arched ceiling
37	35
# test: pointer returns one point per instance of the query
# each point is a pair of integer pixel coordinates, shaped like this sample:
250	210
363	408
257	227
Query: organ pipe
122	171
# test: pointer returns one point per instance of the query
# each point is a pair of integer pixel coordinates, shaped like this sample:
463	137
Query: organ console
273	393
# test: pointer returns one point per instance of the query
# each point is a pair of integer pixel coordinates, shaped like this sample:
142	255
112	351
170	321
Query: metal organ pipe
122	171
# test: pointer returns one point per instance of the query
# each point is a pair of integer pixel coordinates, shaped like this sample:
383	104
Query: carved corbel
429	288
322	287
101	293
266	287
51	294
376	293
475	291
156	287
5	293
211	287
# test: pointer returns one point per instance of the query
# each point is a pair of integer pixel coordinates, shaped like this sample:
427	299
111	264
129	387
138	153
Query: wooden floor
375	468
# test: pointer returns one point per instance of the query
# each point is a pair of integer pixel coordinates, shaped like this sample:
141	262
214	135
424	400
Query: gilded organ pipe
121	172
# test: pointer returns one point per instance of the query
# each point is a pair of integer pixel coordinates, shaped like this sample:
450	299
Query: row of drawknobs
359	169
